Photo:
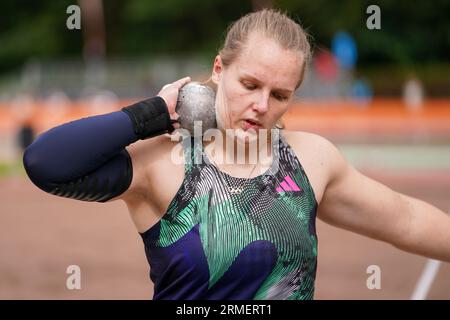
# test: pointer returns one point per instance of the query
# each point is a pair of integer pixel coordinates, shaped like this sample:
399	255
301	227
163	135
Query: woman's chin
246	136
239	133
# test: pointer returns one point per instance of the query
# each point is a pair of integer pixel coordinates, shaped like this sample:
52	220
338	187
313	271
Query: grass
11	168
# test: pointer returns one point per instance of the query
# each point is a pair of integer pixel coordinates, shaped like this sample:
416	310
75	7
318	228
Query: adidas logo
287	185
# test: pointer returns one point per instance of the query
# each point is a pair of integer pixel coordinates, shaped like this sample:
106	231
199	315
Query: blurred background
380	94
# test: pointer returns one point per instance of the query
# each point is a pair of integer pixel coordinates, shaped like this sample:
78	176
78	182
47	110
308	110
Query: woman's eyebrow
252	78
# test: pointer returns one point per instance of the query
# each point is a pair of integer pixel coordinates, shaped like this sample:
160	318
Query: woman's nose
262	105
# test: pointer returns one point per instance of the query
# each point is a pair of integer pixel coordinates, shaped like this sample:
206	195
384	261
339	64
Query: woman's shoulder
155	147
307	141
148	157
316	153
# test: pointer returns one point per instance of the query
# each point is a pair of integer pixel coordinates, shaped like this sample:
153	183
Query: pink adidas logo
288	185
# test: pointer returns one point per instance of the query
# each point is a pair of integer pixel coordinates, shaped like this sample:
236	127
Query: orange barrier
381	116
43	116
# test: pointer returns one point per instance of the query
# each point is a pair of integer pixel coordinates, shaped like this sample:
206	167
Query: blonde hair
272	24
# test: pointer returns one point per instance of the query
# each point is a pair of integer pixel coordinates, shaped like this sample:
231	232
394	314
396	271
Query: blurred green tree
412	33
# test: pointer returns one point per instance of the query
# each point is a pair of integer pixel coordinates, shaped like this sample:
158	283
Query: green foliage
412	32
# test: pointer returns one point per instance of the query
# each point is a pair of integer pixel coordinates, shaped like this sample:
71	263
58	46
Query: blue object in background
361	91
344	48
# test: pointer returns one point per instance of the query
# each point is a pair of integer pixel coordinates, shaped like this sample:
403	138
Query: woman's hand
170	95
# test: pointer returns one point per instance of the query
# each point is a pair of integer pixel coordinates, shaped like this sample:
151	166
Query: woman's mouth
251	124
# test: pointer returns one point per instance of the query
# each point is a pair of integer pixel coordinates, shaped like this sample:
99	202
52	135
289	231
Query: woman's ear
217	70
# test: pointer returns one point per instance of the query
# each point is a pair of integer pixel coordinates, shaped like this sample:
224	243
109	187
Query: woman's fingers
166	86
180	83
174	116
175	124
169	93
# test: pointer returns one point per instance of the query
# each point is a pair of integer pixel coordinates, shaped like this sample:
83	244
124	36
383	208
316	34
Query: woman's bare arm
360	204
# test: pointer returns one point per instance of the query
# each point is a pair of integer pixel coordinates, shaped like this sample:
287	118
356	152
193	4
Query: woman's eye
249	86
279	96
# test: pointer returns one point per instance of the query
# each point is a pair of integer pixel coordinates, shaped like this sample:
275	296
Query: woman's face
257	88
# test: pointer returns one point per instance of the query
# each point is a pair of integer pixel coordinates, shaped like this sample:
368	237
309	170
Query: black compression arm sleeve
86	159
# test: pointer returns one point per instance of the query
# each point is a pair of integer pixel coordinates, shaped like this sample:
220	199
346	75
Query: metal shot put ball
196	103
